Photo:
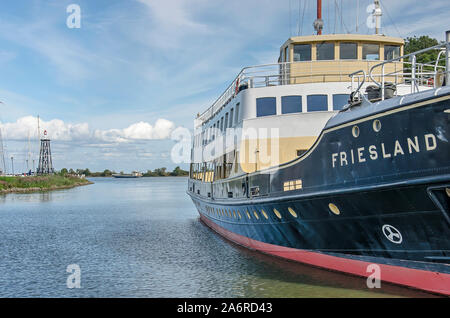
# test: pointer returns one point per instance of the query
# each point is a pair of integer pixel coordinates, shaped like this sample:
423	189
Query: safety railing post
382	82
413	74
447	58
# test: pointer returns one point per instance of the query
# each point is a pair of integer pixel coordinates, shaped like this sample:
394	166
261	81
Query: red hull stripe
425	280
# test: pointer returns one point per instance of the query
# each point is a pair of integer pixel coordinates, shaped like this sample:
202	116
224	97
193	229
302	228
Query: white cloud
58	130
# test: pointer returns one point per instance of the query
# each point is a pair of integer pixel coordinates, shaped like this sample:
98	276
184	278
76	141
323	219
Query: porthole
355	131
256	215
333	208
265	214
292	212
277	213
376	125
248	215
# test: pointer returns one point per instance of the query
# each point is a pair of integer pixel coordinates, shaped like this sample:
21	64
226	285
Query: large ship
336	156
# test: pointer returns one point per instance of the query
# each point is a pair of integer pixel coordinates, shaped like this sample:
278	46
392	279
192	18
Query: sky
111	91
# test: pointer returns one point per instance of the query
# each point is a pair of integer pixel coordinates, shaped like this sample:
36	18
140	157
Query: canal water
143	238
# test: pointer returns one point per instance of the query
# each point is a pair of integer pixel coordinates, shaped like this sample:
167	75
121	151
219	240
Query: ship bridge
315	59
331	58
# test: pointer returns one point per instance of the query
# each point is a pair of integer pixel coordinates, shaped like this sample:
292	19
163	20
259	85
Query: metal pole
318	23
357	13
447	58
413	74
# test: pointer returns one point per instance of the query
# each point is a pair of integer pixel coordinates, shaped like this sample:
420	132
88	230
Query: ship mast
377	14
318	23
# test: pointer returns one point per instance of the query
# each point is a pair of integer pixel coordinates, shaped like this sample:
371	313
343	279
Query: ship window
325	51
286	53
302	52
339	101
226	121
231	117
370	52
301	152
348	51
266	106
391	52
278	214
291	104
221	124
292	212
317	103
265	214
236	119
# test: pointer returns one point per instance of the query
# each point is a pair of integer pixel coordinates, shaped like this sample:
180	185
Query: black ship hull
375	194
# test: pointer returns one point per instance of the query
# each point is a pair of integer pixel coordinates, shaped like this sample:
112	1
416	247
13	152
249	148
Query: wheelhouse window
348	51
231	117
266	106
286	54
302	52
291	104
324	51
391	52
339	101
317	103
370	52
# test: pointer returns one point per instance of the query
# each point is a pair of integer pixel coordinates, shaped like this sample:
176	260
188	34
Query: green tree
106	173
63	172
86	172
149	173
414	44
178	172
160	172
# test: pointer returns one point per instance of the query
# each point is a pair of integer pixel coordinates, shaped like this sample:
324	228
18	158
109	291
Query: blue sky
111	92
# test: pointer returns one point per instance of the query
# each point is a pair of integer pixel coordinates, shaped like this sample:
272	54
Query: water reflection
143	238
42	196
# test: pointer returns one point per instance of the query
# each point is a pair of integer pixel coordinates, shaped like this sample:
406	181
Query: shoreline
34	189
187	176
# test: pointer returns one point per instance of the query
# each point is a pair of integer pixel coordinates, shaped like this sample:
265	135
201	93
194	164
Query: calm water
142	238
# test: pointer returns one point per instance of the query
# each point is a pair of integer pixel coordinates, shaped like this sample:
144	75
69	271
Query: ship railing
284	73
418	76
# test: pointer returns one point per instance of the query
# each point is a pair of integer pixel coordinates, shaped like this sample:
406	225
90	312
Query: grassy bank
39	183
